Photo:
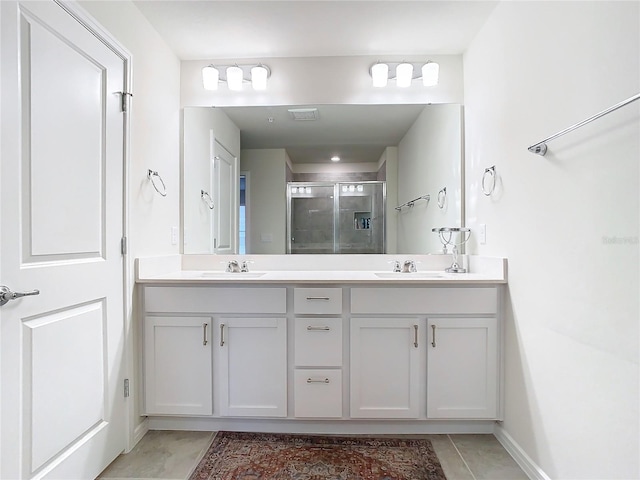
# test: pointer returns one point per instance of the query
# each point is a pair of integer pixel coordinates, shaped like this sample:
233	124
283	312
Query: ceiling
198	30
356	133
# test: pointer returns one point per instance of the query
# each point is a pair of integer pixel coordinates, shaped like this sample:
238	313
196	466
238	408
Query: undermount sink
231	275
408	275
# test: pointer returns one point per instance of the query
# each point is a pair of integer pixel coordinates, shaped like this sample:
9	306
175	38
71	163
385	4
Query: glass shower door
361	226
311	218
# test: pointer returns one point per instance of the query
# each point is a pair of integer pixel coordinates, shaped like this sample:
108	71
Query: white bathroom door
226	191
62	408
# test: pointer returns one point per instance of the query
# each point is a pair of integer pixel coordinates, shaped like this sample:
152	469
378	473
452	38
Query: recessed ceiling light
335	158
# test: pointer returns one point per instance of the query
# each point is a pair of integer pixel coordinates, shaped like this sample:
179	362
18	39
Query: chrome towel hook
489	172
151	175
207	199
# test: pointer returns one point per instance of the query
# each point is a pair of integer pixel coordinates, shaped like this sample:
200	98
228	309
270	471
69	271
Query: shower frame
336	209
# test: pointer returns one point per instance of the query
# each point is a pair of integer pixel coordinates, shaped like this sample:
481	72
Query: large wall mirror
238	163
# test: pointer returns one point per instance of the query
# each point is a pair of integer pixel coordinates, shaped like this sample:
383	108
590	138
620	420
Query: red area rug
267	456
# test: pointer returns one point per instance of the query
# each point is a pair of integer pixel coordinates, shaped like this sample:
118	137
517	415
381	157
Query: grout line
461	457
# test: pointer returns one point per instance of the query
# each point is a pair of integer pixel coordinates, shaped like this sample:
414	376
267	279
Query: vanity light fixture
235	76
335	158
404	73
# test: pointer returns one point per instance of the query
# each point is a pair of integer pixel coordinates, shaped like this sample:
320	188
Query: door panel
61	222
49	386
64	111
226	186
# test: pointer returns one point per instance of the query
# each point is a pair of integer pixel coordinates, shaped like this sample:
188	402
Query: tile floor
170	455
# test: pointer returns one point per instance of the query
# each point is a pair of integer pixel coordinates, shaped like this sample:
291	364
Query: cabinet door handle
433	336
311	380
222	334
204	334
415	336
311	328
317	298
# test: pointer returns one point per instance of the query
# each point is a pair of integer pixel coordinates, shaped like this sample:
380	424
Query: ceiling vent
304	114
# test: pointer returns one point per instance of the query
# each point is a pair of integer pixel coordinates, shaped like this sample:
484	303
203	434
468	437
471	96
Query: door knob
6	294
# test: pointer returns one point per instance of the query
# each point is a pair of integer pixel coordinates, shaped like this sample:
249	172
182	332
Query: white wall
567	222
154	139
318	80
429	159
201	127
155	126
389	159
267	201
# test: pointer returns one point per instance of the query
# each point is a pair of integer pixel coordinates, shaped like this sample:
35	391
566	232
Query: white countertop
208	269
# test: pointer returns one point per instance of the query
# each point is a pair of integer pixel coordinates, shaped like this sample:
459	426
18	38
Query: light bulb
210	77
234	78
404	74
259	78
380	74
430	72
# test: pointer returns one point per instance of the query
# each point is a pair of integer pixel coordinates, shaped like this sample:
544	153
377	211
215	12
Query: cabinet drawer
430	300
195	299
318	393
317	300
318	342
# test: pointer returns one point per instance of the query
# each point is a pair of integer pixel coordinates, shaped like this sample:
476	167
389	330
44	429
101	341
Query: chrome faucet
244	267
409	266
233	266
396	266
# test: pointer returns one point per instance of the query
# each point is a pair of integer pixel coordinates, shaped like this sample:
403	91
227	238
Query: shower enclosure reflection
324	217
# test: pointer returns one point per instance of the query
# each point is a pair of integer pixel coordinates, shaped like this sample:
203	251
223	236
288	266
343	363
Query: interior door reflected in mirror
414	150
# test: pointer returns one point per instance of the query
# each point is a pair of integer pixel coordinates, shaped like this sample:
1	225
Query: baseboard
530	468
139	431
327	427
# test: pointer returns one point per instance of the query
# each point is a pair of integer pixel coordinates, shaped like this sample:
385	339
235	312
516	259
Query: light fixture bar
404	73
235	76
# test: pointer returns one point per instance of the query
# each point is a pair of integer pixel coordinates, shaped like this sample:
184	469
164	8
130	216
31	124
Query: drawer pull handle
433	336
222	334
311	380
311	328
204	334
415	336
318	298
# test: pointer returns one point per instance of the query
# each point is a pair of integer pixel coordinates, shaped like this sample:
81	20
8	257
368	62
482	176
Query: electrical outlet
482	233
174	235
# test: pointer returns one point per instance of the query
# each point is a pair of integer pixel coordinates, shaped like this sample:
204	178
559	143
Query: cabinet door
385	367
252	368
462	376
177	354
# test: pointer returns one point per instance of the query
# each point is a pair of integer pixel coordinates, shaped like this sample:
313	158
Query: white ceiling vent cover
304	114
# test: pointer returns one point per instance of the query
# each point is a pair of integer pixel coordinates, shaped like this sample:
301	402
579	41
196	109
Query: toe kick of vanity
338	355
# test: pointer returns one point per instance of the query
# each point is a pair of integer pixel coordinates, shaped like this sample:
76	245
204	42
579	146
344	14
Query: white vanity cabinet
318	360
386	371
243	365
177	360
353	356
252	366
462	368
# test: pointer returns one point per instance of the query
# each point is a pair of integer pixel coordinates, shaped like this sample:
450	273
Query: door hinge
123	245
125	96
126	387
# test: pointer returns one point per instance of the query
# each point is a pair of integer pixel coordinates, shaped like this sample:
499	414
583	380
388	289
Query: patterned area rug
266	456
